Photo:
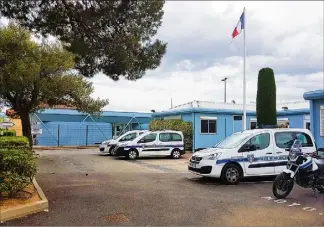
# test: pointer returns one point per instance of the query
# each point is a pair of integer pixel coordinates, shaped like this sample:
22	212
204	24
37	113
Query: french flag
239	27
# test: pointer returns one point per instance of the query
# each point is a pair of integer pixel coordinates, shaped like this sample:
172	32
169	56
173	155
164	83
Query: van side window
261	141
128	137
305	139
284	139
176	137
148	138
165	137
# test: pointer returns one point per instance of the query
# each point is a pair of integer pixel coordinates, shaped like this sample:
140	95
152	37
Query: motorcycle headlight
212	156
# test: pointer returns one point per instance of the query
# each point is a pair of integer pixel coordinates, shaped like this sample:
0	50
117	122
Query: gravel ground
85	188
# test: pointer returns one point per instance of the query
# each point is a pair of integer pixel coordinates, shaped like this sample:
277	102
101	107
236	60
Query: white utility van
107	146
257	152
153	143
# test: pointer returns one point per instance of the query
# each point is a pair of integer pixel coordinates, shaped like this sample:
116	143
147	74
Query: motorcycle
306	170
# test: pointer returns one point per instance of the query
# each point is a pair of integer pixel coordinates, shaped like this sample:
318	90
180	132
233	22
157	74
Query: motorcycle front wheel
282	186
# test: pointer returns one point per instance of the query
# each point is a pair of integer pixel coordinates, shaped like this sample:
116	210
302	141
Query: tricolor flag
239	27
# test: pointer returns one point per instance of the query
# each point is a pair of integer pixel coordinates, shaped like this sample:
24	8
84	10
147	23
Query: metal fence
72	134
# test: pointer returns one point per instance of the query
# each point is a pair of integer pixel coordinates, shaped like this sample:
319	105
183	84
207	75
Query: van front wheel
132	155
231	174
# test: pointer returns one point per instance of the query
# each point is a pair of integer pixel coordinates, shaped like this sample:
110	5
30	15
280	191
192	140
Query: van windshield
232	141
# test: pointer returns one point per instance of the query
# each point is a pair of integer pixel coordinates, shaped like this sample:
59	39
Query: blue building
211	124
66	127
316	101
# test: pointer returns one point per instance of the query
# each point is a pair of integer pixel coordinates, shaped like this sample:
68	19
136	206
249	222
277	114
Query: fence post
87	128
58	135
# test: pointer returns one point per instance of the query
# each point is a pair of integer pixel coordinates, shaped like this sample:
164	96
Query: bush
8	133
178	125
14	142
17	169
266	110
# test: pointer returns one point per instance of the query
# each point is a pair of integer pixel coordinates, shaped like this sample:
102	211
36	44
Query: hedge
174	124
7	132
14	142
17	169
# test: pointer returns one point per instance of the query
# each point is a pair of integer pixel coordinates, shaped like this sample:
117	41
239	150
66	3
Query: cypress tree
266	99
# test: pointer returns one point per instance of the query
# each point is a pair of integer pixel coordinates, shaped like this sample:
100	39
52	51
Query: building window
208	125
237	118
308	125
253	125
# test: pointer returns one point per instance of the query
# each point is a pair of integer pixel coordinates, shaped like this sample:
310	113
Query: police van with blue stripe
153	143
109	146
257	152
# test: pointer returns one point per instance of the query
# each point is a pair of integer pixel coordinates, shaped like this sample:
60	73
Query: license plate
193	165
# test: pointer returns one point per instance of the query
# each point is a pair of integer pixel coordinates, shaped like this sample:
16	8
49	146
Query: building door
237	123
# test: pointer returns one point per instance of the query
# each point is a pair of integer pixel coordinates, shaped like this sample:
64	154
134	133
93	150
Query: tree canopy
112	37
39	75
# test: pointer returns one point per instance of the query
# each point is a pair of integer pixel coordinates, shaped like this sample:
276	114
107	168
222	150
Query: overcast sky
286	36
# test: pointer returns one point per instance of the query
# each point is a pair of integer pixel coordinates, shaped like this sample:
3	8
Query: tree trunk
26	126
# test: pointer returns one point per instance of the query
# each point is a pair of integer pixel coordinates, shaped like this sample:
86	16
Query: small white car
107	146
257	152
153	143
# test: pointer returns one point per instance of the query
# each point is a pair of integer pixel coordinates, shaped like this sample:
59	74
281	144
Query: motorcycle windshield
296	147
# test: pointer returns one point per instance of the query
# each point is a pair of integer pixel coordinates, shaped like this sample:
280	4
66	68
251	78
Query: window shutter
322	121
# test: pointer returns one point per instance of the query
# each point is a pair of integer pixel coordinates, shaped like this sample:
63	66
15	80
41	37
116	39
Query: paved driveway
85	188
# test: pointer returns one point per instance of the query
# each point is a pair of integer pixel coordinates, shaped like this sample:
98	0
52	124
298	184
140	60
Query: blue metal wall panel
316	104
72	134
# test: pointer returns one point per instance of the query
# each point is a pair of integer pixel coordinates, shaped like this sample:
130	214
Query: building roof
104	113
300	107
225	111
317	94
231	106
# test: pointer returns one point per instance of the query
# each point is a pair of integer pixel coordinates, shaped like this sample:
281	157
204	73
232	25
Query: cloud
286	36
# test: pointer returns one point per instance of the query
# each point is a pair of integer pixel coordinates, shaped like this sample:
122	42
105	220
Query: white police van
153	143
107	146
257	152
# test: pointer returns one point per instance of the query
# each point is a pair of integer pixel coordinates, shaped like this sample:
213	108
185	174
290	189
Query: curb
30	208
64	148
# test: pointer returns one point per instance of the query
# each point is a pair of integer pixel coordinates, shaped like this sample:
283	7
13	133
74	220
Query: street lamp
224	80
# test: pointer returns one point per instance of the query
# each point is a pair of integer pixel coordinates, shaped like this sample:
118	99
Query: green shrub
17	169
8	133
178	125
14	142
266	110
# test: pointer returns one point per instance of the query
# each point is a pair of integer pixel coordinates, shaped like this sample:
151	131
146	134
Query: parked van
257	152
153	143
107	146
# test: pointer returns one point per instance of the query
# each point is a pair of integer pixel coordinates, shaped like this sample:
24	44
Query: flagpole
244	81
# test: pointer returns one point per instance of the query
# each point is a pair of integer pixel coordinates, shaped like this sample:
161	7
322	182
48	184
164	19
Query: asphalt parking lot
85	188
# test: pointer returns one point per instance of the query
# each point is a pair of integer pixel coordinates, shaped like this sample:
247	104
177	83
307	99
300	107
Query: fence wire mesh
73	135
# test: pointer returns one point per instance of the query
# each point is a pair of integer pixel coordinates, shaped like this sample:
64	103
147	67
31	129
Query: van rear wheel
176	154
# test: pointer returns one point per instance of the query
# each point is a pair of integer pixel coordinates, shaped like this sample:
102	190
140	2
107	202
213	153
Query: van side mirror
141	141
